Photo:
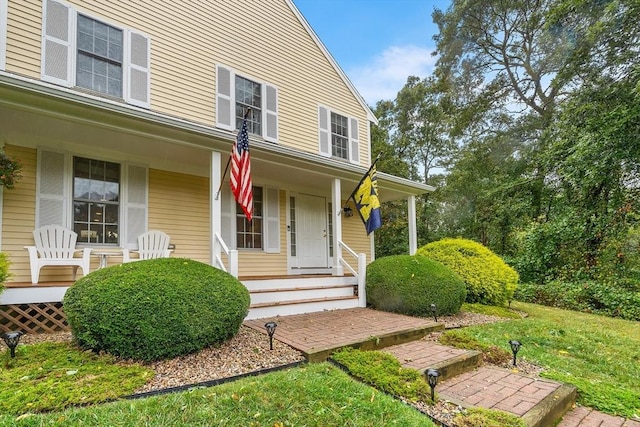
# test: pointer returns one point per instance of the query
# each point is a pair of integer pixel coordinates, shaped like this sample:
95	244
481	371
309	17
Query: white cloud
387	73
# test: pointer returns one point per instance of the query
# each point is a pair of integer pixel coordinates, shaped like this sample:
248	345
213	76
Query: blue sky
377	43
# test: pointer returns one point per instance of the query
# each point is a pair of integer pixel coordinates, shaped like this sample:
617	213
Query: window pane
249	94
249	234
96	181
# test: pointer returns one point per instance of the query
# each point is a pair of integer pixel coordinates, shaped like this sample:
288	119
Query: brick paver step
581	416
538	401
422	355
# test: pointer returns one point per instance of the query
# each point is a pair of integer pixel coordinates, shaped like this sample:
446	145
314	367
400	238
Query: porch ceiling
38	114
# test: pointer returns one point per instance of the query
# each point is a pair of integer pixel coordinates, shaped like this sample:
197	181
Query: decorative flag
241	171
366	199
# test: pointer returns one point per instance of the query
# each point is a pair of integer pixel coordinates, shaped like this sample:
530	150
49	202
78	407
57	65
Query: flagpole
360	182
246	114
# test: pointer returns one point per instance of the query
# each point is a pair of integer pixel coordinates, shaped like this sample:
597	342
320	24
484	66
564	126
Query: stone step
539	402
422	355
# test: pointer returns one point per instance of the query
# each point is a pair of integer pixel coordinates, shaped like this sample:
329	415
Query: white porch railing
232	256
360	274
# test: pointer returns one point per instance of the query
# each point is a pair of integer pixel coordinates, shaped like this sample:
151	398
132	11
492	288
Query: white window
263	232
234	93
84	51
3	34
338	135
104	202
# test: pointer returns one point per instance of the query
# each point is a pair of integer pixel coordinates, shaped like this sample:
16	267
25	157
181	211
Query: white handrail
232	256
360	274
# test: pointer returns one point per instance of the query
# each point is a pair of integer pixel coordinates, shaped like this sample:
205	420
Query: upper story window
338	135
79	50
249	95
99	62
96	200
234	93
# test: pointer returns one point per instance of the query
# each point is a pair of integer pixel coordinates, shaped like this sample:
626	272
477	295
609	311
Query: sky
377	43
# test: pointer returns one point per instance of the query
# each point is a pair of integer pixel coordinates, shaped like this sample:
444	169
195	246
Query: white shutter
324	131
272	220
52	197
354	141
228	212
58	28
225	115
137	69
3	34
135	205
271	113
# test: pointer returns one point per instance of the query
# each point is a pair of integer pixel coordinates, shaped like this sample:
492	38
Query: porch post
413	229
336	202
216	207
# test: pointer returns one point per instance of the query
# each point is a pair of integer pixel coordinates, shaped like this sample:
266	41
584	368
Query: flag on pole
366	199
241	171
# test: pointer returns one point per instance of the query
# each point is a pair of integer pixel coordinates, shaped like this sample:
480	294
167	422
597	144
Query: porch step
299	306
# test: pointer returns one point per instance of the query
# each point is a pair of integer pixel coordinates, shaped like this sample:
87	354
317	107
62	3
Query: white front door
312	231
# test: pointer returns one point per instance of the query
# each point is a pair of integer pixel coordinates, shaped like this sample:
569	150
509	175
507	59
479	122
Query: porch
37	308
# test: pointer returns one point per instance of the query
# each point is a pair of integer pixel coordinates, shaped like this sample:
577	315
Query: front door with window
312	233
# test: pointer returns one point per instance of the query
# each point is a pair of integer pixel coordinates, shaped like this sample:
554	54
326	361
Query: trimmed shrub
488	278
4	270
409	285
155	309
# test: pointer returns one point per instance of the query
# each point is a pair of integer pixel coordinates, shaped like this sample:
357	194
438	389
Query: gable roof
372	118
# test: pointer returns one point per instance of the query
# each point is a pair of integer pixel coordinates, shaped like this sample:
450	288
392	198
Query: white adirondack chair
152	244
56	246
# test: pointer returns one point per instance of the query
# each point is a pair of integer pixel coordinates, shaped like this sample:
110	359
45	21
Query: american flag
241	171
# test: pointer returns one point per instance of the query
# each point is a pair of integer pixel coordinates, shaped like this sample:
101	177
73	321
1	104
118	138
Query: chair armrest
33	252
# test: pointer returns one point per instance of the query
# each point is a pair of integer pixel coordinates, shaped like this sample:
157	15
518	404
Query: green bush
488	278
409	285
4	270
155	309
609	299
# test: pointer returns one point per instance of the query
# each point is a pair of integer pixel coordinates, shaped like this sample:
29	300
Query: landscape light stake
12	339
515	346
271	329
432	378
434	310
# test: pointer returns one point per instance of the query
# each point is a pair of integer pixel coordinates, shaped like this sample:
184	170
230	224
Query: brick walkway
318	334
587	417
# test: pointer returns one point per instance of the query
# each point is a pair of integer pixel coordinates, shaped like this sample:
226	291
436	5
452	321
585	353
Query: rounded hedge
488	278
155	309
409	285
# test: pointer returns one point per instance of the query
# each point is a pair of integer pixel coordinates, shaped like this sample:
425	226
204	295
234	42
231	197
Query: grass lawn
599	355
313	395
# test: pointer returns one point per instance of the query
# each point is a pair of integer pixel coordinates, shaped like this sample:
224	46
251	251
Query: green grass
599	355
51	376
314	395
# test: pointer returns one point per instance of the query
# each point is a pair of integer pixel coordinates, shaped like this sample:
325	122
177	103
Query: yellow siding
257	263
355	236
179	206
18	217
261	40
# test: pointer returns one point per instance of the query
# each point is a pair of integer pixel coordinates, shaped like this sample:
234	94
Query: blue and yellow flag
366	199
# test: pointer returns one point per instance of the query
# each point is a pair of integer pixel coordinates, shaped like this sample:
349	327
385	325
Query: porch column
336	202
215	207
413	229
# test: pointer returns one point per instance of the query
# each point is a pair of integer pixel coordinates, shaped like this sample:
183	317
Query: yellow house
123	115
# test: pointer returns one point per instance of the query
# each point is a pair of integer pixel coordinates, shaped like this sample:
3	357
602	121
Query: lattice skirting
33	318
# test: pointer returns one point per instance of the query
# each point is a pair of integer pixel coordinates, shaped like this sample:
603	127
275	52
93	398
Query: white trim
413	233
336	191
4	12
215	205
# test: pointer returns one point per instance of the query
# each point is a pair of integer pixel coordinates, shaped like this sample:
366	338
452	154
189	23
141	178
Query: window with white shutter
3	34
338	135
236	93
104	202
83	51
